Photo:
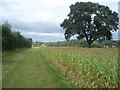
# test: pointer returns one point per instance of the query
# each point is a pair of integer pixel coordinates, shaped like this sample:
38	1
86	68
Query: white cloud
46	34
35	10
44	37
49	12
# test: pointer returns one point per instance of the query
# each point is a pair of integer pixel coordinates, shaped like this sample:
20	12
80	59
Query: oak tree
91	21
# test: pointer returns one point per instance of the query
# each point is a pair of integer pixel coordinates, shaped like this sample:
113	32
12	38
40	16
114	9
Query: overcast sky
40	19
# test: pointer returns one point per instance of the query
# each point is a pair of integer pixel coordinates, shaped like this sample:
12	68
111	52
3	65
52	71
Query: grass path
28	68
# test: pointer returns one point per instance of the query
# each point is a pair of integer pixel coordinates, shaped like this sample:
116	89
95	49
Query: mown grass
28	68
86	68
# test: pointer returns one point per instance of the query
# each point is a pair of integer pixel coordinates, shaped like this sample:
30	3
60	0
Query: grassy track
28	68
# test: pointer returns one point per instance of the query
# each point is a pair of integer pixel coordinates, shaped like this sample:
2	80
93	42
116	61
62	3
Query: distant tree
12	40
91	21
29	42
6	36
0	38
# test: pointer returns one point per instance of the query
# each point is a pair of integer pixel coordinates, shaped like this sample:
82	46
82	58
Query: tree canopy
12	39
91	21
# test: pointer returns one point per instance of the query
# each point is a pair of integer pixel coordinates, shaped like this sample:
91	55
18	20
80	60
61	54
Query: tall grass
86	68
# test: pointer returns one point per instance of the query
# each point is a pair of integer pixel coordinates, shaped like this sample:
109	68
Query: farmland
85	67
62	66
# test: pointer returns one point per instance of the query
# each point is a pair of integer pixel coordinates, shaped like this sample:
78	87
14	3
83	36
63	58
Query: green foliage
86	68
0	37
91	21
37	44
83	43
52	44
12	40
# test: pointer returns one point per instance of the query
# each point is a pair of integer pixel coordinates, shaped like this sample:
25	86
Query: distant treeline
12	39
79	43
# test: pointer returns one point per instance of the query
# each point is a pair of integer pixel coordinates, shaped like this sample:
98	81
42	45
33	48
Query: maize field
85	67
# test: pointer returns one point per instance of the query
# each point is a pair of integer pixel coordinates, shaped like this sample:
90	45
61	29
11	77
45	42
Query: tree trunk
68	44
89	44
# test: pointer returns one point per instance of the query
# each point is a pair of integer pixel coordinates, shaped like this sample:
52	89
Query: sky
40	19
